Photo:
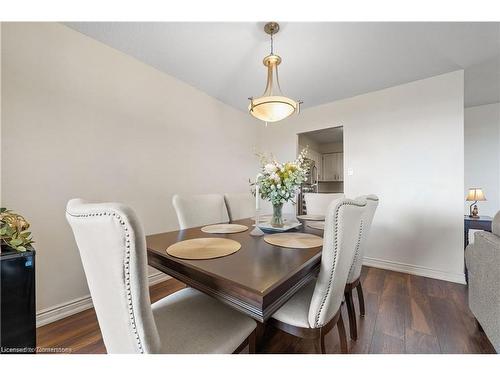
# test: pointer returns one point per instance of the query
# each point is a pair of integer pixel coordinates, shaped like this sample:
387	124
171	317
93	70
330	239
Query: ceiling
322	61
328	135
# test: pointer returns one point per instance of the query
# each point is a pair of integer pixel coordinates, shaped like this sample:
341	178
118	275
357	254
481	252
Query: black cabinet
17	302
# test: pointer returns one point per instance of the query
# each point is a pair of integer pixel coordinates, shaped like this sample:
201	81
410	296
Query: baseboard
158	278
77	305
414	270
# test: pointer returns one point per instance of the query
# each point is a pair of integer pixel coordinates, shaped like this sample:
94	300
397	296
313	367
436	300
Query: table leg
260	336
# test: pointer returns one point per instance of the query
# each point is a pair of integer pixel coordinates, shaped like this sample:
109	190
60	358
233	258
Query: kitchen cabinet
333	167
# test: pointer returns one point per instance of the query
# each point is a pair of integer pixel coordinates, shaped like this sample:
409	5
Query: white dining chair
316	308
353	281
240	205
112	247
197	210
317	203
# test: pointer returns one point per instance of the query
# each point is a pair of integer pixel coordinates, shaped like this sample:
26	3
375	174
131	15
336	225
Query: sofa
483	264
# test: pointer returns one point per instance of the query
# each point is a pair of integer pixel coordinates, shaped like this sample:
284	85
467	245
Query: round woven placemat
316	225
224	228
203	248
311	217
294	240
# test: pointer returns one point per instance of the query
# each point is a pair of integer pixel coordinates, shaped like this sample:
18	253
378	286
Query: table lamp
474	195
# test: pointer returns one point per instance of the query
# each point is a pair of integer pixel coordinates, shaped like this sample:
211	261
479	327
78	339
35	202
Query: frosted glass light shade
475	194
272	108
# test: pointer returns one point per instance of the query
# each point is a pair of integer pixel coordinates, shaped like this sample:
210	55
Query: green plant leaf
16	242
20	248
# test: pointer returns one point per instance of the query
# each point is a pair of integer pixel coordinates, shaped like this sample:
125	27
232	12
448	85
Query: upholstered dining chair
240	205
197	210
315	309
353	281
317	203
113	251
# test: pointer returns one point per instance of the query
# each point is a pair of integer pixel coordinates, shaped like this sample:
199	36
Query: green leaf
16	242
20	248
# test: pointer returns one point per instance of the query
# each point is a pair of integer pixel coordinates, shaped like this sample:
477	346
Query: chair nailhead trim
356	254
335	250
126	269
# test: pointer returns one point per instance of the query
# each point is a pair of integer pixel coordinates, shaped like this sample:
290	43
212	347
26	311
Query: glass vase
277	219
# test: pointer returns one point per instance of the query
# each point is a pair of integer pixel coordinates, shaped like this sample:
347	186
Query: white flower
270	168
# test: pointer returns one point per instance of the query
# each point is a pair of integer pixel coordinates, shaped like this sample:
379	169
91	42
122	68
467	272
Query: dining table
256	280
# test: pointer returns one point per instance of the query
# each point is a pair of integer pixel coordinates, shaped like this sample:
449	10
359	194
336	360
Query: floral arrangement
279	182
14	230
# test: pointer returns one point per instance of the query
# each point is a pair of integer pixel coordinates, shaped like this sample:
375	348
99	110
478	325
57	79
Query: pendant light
272	106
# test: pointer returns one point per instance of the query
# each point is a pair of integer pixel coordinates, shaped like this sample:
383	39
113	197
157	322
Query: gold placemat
316	225
311	217
294	240
224	228
203	248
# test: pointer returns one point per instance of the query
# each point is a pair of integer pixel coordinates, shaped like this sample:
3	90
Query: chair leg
352	315
342	335
361	299
251	342
317	345
322	338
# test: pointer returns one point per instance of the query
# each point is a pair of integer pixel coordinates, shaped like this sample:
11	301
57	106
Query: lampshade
272	108
475	194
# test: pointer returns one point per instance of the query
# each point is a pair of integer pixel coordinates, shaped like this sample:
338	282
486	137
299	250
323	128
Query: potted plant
279	182
14	231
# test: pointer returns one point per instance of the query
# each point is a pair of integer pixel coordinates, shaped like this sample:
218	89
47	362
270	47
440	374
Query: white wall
406	145
1	25
326	148
305	141
482	155
80	119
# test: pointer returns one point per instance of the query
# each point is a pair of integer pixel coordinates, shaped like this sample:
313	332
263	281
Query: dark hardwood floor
404	314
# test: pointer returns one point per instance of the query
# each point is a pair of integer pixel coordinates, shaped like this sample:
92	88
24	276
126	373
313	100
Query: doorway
326	157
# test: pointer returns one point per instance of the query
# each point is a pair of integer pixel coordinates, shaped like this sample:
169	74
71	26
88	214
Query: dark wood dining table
256	280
